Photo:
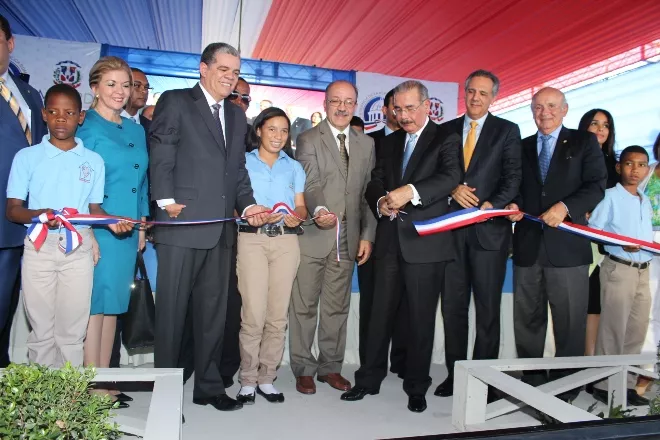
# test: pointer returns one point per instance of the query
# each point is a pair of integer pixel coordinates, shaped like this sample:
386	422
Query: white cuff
246	208
416	201
318	208
162	203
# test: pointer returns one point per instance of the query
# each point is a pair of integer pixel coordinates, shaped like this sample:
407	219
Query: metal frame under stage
471	412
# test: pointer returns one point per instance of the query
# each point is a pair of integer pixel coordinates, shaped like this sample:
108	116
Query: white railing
471	412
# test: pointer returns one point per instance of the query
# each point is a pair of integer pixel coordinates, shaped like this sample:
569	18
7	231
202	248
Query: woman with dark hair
651	187
316	118
600	123
268	256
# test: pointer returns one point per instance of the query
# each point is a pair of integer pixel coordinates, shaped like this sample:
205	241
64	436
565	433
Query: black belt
270	230
629	263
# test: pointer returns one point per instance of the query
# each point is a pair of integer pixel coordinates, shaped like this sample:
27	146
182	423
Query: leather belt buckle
272	230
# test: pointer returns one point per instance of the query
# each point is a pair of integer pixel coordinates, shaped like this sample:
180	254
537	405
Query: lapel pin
565	140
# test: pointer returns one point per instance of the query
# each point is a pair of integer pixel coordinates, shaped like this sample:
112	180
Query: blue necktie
545	156
407	152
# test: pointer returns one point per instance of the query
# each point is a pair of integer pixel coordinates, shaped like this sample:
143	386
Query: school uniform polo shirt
48	177
277	184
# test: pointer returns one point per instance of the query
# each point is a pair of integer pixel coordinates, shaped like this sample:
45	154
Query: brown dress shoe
305	385
336	381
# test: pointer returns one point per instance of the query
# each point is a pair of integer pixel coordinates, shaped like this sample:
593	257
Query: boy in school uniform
59	172
624	273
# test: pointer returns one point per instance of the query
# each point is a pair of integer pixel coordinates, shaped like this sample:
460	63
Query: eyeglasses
407	109
245	98
139	86
337	102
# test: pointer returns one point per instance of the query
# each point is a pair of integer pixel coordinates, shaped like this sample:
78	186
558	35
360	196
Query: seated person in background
268	256
57	173
624	275
357	124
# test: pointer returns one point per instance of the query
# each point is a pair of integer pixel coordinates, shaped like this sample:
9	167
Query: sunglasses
245	98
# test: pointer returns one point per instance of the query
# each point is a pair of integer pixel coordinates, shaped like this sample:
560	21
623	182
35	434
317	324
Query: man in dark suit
365	272
198	173
22	125
416	171
298	126
490	178
563	178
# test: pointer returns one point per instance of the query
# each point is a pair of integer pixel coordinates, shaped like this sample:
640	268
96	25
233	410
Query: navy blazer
13	139
576	177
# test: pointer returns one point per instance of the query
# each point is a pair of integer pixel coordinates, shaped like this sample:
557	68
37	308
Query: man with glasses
338	162
417	169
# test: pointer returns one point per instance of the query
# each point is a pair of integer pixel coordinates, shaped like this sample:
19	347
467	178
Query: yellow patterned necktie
470	143
13	104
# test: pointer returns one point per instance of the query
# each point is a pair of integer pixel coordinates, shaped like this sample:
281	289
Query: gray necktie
216	116
343	153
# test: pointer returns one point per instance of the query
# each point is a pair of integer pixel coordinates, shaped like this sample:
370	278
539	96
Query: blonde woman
122	146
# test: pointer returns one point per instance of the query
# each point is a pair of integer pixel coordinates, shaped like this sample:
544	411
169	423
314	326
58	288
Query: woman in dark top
600	123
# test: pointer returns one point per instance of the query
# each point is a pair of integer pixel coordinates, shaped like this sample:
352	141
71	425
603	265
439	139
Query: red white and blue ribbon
38	231
68	217
466	217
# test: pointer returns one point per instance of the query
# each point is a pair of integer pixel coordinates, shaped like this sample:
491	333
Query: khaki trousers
57	292
266	267
625	305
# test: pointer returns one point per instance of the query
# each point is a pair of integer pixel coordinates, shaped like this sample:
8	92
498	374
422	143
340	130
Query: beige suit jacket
327	185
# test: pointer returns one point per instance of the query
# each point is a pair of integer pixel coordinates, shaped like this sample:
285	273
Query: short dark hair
4	26
388	98
633	149
357	121
656	147
208	56
135	69
66	90
485	74
253	140
608	146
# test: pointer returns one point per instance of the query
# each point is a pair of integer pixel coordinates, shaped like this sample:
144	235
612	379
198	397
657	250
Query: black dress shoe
227	381
123	397
417	404
118	404
358	393
635	399
245	399
446	388
221	402
272	398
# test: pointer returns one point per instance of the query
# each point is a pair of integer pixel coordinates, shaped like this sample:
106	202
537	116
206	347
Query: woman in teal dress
121	143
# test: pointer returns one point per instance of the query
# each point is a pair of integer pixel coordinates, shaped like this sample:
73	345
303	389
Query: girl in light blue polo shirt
268	256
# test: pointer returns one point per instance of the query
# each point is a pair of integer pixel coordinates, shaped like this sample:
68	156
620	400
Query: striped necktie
13	104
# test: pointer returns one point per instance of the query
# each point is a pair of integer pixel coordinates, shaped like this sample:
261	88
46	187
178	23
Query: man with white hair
563	179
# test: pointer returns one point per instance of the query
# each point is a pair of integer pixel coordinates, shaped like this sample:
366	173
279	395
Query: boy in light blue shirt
624	274
57	173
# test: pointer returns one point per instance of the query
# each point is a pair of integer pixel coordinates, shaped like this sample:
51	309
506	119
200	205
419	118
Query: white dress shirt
135	118
25	108
209	99
466	126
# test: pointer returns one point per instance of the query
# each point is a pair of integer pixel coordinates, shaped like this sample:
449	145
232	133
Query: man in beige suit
338	163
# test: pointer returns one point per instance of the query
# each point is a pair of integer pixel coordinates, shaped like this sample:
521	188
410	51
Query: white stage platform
323	416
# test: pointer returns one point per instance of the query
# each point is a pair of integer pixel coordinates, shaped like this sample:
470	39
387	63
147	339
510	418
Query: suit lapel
354	156
424	140
486	133
329	141
533	156
560	155
399	146
229	124
205	111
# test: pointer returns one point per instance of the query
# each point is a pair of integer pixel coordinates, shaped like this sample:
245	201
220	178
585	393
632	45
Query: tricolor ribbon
38	231
471	216
68	217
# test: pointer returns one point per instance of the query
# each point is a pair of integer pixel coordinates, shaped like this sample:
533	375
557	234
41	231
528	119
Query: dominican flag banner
471	216
68	217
